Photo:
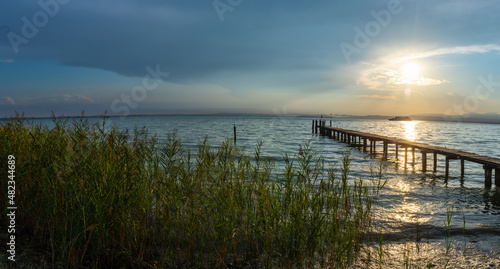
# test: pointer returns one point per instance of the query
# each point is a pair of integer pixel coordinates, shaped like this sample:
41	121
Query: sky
368	57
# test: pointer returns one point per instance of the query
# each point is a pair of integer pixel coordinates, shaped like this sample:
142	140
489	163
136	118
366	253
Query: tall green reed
92	195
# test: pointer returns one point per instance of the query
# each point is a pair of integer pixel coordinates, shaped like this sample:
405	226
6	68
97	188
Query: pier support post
235	133
497	177
396	147
413	156
374	146
447	171
364	144
385	150
316	127
435	161
406	155
462	167
313	127
424	161
487	176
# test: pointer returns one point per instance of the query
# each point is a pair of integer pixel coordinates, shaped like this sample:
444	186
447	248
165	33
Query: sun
410	72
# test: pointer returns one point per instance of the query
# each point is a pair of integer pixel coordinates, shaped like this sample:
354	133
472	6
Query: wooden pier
355	137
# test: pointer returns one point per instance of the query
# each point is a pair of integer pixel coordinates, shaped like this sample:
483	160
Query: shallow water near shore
413	207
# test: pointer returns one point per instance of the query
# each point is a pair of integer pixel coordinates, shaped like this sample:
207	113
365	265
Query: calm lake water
410	198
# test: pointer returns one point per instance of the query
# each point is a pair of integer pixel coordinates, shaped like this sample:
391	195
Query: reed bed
90	195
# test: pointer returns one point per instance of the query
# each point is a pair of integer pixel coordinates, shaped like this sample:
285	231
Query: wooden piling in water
462	167
385	150
235	133
406	155
487	176
435	161
424	162
447	171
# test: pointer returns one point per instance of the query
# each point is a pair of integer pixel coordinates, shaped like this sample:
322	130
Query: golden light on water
409	130
407	211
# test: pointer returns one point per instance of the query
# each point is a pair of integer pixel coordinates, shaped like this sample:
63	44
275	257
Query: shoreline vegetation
92	196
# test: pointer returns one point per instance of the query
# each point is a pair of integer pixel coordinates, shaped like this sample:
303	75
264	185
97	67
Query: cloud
376	97
7	101
389	78
385	74
489	48
64	99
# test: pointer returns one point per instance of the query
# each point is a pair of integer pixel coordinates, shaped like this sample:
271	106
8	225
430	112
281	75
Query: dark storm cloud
186	38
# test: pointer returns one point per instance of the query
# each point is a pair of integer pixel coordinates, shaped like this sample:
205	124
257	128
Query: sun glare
410	72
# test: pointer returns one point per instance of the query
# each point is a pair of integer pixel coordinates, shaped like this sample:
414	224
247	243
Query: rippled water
410	199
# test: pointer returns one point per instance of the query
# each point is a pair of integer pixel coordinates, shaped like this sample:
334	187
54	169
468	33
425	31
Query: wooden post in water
497	177
235	133
424	161
385	150
374	146
435	161
413	156
316	127
406	155
462	164
313	127
364	144
396	147
487	176
447	171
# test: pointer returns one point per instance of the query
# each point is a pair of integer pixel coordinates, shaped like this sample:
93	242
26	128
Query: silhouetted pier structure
355	137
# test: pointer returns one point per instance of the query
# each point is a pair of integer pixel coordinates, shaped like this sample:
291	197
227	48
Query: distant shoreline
490	118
